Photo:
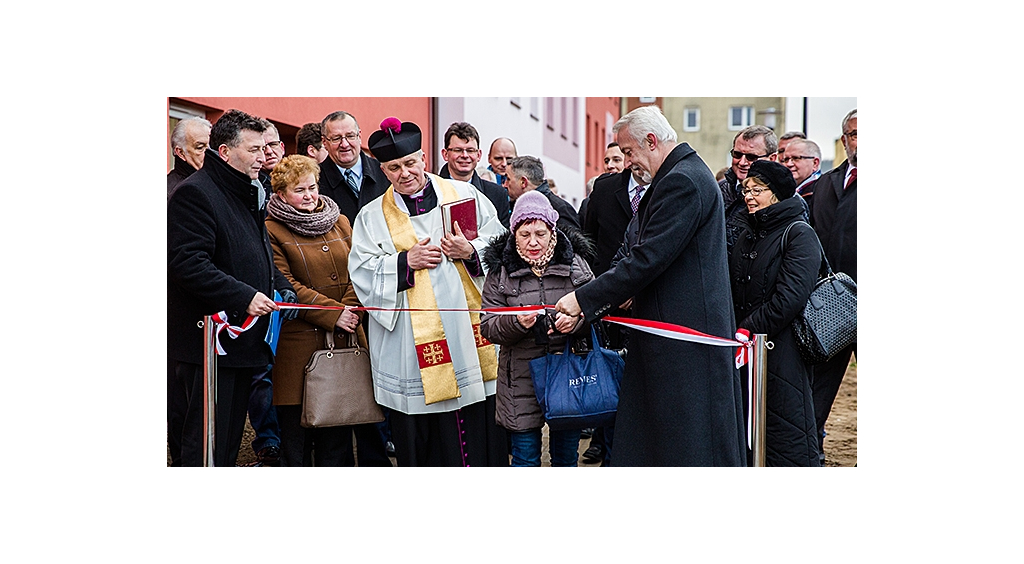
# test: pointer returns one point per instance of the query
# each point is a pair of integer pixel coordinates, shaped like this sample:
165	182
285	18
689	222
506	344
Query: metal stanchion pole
759	366
209	388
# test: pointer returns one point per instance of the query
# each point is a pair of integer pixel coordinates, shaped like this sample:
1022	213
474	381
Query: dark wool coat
680	403
834	218
770	288
495	194
608	215
317	268
181	171
510	282
218	257
333	185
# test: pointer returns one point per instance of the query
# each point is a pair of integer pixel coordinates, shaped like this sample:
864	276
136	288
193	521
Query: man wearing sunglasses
753	143
349	177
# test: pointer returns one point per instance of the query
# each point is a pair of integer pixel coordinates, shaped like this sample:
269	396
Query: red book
462	211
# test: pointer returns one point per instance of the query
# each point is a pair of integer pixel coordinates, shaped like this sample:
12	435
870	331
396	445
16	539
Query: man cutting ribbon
431	367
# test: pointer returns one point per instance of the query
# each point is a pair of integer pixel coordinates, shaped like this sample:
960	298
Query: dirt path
840	443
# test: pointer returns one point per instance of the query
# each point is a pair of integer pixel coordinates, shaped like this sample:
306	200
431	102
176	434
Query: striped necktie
351	178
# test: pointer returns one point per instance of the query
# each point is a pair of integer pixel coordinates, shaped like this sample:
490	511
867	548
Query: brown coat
512	283
318	269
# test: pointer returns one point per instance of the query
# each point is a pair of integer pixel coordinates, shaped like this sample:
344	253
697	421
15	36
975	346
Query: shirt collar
357	169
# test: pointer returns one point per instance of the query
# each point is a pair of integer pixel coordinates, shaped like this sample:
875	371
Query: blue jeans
563	445
262	415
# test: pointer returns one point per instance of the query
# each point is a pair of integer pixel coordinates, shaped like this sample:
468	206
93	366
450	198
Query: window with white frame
740	117
691	119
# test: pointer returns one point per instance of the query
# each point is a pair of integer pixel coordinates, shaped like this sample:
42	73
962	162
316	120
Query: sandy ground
840	443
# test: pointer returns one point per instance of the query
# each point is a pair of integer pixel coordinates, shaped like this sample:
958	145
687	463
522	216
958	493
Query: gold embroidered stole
435	361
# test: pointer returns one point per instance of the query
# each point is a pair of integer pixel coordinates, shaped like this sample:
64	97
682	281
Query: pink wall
289	114
597	132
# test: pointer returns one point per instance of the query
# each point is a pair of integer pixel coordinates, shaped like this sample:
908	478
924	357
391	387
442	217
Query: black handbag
575	392
828	323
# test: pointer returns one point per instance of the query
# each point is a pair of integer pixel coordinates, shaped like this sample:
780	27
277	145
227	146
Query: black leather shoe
269	456
593	455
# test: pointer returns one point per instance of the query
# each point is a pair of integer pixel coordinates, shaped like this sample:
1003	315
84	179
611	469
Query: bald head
502	150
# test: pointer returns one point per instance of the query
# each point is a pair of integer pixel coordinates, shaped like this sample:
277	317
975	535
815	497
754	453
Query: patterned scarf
310	224
539	264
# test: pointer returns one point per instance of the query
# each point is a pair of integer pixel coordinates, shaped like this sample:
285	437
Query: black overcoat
770	288
334	186
218	257
680	403
608	214
834	218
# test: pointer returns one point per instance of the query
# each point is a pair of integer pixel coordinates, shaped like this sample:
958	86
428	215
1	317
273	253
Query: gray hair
790	135
644	120
849	116
178	135
810	146
530	167
771	142
335	116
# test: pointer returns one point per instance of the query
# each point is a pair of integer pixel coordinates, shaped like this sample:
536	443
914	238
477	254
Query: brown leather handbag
338	387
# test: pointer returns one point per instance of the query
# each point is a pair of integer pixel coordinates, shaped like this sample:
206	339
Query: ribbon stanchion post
758	368
209	387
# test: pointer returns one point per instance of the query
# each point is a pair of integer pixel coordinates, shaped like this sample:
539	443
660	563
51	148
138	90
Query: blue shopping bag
578	392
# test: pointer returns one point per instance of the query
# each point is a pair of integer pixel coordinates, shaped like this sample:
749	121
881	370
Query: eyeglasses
756	191
851	134
738	155
272	146
469	151
351	137
787	158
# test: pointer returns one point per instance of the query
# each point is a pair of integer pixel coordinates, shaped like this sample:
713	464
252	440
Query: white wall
824	120
496	117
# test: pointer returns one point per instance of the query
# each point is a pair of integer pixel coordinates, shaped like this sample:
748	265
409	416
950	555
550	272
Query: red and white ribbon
510	310
680	333
220	321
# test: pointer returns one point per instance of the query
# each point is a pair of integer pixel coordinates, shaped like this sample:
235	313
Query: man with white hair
188	141
680	402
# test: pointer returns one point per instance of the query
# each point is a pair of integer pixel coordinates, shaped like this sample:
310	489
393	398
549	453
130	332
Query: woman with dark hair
311	242
533	265
773	267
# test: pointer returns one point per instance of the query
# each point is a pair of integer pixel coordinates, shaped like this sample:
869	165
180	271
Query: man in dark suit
833	208
680	403
612	203
349	177
219	259
461	154
526	173
188	141
352	179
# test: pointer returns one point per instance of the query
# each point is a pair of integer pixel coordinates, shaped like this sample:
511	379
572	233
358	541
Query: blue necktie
351	178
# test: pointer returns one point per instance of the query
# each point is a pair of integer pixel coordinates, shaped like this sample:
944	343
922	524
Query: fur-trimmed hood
501	252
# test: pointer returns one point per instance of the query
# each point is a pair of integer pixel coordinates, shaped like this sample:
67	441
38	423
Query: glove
289	297
742	335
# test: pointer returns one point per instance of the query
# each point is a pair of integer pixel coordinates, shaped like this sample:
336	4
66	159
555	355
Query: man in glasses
834	218
273	152
753	143
784	142
461	154
349	177
803	159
